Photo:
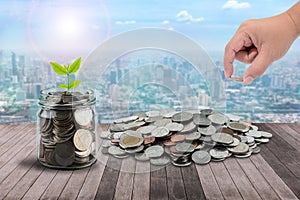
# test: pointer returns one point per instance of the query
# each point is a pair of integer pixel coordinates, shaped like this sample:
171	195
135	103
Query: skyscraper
22	64
14	64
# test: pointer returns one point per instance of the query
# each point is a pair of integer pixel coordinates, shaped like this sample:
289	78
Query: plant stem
68	82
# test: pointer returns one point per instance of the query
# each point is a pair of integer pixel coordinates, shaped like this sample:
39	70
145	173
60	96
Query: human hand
260	42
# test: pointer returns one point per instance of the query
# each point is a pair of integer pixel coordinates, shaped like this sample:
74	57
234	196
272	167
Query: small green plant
67	70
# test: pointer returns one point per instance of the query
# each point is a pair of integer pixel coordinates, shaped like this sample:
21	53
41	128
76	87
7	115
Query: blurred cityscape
145	81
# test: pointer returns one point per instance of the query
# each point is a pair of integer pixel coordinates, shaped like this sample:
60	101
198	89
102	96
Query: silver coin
126	119
217	159
201	157
217	118
254	128
160	132
184	147
121	156
219	152
153	119
135	150
185	164
233	118
262	140
250	139
116	151
255	150
206	111
188	128
174	127
153	113
168	113
154	151
82	139
265	134
210	130
117	127
235	142
242	148
117	135
236	126
182	117
222	138
160	161
255	134
201	120
83	116
141	157
237	78
133	125
244	139
105	134
192	136
162	122
247	155
145	130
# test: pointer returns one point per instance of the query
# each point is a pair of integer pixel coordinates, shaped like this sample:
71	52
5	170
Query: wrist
294	15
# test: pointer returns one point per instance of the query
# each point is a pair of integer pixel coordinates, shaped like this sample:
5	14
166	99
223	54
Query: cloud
234	4
184	16
95	27
165	22
127	22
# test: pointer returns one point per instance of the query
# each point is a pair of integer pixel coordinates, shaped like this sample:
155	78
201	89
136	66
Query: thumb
258	67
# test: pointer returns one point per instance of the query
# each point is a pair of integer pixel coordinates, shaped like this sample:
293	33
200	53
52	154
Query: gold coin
131	140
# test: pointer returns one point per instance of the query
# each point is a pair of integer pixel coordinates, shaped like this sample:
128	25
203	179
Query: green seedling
67	70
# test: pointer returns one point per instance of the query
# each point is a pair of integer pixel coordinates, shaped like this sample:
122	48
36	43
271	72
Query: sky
66	29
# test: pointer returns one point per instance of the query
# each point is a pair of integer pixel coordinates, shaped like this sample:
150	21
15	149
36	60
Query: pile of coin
182	138
67	130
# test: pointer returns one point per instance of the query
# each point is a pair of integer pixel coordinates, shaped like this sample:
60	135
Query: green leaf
75	83
62	86
75	66
59	68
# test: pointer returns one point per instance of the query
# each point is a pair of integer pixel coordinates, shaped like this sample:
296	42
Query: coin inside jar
82	139
83	116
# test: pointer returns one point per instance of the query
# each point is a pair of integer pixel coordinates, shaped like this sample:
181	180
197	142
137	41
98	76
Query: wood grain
272	174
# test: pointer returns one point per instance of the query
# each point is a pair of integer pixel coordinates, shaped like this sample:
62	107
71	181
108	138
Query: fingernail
248	80
226	75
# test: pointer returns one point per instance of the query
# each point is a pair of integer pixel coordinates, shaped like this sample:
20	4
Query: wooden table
272	174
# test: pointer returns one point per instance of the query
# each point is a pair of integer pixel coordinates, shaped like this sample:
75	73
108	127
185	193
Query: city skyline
64	30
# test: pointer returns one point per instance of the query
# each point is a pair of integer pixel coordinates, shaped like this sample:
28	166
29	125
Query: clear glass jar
67	129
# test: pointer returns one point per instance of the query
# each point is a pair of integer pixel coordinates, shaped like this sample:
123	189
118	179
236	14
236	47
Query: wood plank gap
240	179
257	179
40	185
192	184
158	183
124	188
175	183
208	182
141	185
225	181
18	173
92	181
274	180
107	186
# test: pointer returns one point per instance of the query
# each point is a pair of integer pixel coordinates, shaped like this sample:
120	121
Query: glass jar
67	129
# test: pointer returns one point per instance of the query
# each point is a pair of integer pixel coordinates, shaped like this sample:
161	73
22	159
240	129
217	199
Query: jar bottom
71	167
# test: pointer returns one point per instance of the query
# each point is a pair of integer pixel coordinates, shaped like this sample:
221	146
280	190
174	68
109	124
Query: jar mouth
53	98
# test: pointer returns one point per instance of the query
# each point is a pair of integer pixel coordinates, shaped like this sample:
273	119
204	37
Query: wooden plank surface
272	174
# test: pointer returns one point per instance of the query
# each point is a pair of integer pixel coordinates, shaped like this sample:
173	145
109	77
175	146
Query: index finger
238	42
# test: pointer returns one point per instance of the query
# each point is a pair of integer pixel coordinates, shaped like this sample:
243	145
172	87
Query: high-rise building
14	64
22	64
